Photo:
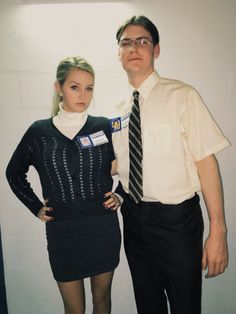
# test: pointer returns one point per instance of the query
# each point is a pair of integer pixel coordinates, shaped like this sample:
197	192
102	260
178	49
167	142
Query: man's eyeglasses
141	42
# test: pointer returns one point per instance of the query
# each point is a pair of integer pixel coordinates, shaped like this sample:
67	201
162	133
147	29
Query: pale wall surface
197	46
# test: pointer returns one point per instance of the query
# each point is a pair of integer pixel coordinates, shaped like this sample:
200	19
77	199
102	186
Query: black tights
73	294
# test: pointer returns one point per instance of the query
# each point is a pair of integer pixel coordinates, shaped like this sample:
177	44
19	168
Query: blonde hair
63	69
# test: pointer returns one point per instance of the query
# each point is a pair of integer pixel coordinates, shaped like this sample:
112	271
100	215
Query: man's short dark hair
142	21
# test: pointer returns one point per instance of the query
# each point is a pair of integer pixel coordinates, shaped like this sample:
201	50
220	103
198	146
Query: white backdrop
197	46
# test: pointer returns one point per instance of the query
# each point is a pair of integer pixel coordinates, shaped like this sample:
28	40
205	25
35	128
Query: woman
73	155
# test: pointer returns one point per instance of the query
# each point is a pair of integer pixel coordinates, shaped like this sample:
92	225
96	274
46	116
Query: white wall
197	46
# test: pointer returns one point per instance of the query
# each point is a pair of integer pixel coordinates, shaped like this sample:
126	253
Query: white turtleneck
69	123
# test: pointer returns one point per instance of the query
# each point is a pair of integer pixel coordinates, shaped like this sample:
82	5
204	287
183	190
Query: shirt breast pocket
157	139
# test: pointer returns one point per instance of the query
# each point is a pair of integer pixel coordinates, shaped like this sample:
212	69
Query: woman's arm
16	174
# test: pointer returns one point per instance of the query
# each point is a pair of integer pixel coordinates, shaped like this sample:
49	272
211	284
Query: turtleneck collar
69	123
70	119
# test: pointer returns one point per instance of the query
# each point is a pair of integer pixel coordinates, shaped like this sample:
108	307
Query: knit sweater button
81	210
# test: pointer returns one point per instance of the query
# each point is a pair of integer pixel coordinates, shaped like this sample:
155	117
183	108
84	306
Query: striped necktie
135	151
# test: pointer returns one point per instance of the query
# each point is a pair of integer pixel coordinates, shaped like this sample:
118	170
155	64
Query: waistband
185	204
77	209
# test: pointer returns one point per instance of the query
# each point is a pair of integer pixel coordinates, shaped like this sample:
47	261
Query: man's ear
119	57
57	87
156	51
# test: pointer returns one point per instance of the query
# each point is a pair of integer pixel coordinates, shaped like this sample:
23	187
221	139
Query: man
160	171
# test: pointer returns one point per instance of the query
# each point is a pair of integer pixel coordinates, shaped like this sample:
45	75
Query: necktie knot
136	94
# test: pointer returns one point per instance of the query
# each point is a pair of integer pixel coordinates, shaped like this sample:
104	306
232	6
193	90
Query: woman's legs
73	296
101	291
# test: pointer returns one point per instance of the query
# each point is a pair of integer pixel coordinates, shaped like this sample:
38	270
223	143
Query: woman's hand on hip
43	213
111	201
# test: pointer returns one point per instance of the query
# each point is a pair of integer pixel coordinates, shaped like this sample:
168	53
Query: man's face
137	52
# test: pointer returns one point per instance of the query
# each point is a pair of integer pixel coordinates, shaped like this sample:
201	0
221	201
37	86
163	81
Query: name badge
92	140
119	123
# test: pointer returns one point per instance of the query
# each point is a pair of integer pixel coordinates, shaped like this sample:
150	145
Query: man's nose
133	45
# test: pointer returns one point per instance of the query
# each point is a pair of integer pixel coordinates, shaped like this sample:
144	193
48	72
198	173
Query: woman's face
77	90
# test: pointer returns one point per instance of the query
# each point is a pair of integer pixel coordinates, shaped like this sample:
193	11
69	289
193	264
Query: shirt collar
147	85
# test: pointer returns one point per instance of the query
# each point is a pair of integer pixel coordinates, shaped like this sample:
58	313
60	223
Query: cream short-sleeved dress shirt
177	131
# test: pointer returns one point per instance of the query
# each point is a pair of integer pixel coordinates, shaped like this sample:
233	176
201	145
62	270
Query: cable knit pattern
68	172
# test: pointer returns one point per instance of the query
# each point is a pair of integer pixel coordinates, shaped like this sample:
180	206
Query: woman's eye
89	89
74	87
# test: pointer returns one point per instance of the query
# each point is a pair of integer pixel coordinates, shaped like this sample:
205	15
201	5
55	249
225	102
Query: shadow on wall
3	302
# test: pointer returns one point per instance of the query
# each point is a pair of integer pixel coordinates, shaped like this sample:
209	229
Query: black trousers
163	245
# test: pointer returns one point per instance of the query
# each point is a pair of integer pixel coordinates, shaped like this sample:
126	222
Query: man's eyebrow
127	38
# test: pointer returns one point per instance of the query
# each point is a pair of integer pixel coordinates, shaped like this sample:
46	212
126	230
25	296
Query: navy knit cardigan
70	173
